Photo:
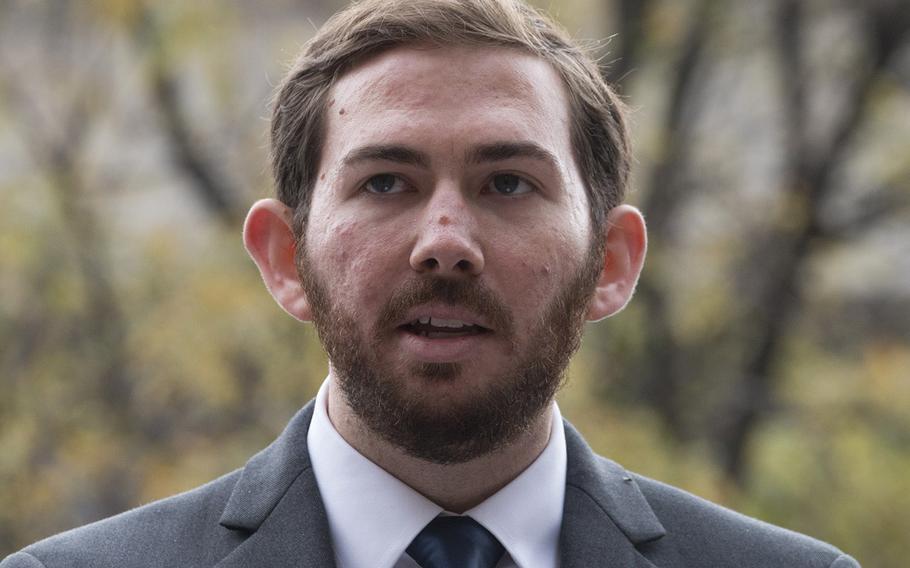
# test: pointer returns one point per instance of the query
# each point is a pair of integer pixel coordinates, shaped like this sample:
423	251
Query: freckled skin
445	102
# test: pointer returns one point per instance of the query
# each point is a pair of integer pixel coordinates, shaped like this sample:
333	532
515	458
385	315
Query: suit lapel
295	534
607	522
277	502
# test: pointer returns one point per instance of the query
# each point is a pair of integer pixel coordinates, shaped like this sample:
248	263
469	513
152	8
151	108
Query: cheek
548	263
353	259
539	270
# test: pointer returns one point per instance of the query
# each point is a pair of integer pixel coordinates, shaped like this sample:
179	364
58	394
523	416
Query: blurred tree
206	180
762	363
738	356
808	180
56	140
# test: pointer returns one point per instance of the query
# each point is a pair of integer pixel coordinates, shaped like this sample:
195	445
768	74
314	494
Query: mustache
474	296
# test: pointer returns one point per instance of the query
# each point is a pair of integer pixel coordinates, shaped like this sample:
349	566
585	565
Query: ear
626	245
269	239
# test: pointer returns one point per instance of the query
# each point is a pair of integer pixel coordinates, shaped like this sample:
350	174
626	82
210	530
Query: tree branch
206	180
808	183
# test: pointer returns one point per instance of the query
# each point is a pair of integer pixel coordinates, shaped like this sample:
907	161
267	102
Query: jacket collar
277	500
606	518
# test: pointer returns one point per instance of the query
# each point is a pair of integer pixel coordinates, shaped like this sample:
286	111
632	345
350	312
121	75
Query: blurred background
764	364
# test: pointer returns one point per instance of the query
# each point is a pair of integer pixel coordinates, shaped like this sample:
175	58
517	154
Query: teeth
438	322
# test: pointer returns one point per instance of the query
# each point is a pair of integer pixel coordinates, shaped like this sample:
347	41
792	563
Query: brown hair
366	28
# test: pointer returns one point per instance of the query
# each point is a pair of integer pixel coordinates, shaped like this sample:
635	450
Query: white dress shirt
373	516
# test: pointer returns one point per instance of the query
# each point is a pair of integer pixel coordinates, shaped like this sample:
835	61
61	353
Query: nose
446	240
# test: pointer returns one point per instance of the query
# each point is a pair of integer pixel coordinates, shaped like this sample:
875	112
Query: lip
443	311
442	349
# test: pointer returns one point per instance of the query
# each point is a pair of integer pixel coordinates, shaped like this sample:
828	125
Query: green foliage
215	370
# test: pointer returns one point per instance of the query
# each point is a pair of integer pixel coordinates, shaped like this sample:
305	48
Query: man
450	180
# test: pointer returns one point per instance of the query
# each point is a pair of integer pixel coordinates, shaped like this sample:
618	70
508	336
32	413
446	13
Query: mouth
442	328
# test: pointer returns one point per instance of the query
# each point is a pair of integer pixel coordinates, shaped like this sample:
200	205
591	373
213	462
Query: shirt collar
526	514
373	516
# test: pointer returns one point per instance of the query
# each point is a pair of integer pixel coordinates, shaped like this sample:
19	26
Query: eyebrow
493	152
387	153
499	151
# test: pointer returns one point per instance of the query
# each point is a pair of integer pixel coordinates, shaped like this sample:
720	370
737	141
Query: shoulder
706	534
671	527
182	530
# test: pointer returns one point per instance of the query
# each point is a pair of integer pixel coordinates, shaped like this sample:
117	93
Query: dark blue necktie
455	542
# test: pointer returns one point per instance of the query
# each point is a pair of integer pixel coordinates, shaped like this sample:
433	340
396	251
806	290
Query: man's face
448	256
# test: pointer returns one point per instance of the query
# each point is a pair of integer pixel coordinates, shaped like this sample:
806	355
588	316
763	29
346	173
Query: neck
454	487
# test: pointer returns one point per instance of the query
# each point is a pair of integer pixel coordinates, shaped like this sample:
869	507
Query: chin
437	371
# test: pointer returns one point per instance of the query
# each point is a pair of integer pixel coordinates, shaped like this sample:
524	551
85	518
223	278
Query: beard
451	431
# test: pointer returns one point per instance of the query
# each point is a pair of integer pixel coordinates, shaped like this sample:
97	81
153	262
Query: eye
509	184
385	184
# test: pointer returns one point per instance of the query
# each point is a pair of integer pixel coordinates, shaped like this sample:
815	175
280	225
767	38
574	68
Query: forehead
456	94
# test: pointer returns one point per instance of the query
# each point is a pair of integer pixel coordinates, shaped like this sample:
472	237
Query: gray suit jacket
270	514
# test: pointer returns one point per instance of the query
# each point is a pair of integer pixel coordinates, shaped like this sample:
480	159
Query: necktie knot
455	542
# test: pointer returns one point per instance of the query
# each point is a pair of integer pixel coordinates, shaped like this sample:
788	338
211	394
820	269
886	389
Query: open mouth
438	328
